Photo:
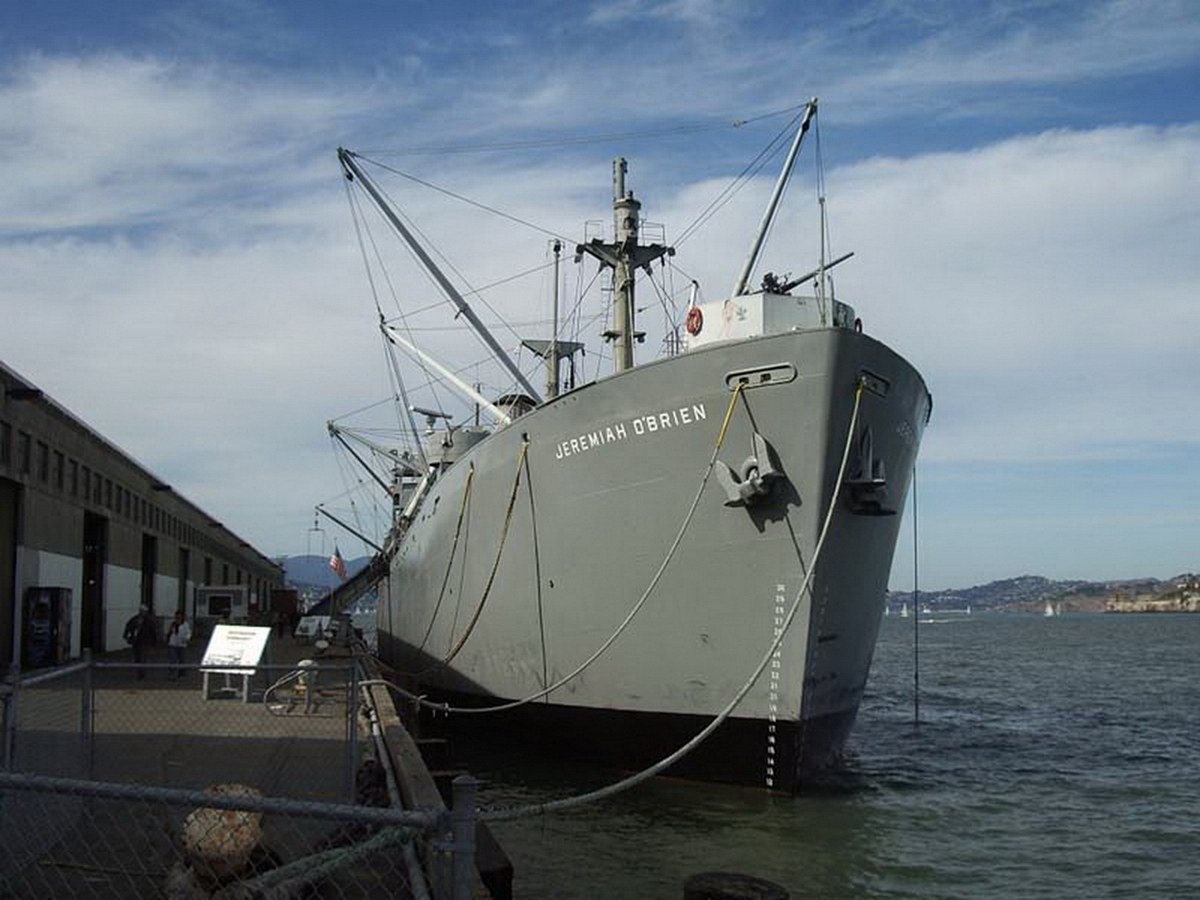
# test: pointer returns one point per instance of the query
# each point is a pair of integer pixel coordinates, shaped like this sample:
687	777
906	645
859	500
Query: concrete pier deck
155	731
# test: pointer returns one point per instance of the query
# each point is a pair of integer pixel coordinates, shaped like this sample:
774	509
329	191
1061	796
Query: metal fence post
462	818
13	682
352	736
86	719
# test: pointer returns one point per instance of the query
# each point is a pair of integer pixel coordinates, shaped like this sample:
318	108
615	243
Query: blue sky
1020	182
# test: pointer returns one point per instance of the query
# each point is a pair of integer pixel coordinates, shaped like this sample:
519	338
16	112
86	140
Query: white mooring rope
669	760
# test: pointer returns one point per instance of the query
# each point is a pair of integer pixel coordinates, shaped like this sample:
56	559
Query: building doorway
149	569
10	497
95	555
184	562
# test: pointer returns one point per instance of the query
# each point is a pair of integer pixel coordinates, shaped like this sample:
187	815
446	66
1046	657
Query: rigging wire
357	487
739	182
823	279
719	719
394	375
431	382
537	574
432	247
916	609
460	197
603	648
462	513
362	409
497	815
487	590
743	178
588	139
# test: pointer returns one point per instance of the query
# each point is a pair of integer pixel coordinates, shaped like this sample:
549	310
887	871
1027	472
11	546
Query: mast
625	230
347	159
552	361
626	257
776	195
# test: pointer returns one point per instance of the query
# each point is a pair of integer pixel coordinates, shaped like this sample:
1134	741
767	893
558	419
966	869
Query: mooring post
462	818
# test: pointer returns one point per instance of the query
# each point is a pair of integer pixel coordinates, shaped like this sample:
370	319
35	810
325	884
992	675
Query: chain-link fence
122	781
47	722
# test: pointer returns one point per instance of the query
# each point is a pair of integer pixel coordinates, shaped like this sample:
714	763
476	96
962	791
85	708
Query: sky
1019	181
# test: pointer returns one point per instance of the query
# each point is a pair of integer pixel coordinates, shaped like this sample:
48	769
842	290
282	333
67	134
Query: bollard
462	817
731	886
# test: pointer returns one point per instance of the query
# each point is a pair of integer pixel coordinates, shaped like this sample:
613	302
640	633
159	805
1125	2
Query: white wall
41	568
122	597
166	595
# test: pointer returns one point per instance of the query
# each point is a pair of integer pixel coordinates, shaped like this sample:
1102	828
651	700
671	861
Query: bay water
1054	757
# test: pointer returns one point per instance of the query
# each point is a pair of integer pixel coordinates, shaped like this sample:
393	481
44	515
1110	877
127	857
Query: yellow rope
512	502
462	511
603	648
737	392
723	715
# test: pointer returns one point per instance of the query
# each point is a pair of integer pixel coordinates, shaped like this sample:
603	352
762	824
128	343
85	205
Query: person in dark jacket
141	634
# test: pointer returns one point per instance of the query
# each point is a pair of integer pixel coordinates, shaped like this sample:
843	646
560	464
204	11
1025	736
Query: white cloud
177	263
688	12
116	141
1043	284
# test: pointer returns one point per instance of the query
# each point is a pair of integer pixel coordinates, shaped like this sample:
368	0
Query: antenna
316	529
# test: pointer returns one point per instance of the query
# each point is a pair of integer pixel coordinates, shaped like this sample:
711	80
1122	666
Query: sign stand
234	652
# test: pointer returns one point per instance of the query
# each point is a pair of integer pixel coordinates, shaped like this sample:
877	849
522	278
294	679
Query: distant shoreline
1173	604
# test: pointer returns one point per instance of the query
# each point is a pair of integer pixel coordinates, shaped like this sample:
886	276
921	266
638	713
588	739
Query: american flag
337	563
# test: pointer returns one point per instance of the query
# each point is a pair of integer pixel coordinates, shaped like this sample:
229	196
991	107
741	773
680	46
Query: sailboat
690	552
1050	611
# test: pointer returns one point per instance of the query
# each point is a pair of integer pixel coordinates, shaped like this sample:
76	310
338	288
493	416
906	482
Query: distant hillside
314	571
1031	592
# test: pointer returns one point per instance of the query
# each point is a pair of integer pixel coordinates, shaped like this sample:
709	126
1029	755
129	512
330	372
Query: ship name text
639	426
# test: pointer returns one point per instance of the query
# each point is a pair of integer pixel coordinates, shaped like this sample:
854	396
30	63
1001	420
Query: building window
98	490
73	478
86	484
59	462
24	452
5	443
108	493
43	461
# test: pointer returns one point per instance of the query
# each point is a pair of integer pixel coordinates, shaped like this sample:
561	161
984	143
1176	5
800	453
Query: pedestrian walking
178	636
141	634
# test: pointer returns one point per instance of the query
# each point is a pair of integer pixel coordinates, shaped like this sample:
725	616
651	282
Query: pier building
87	535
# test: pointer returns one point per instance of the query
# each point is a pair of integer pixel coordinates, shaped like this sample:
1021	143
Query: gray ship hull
530	550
